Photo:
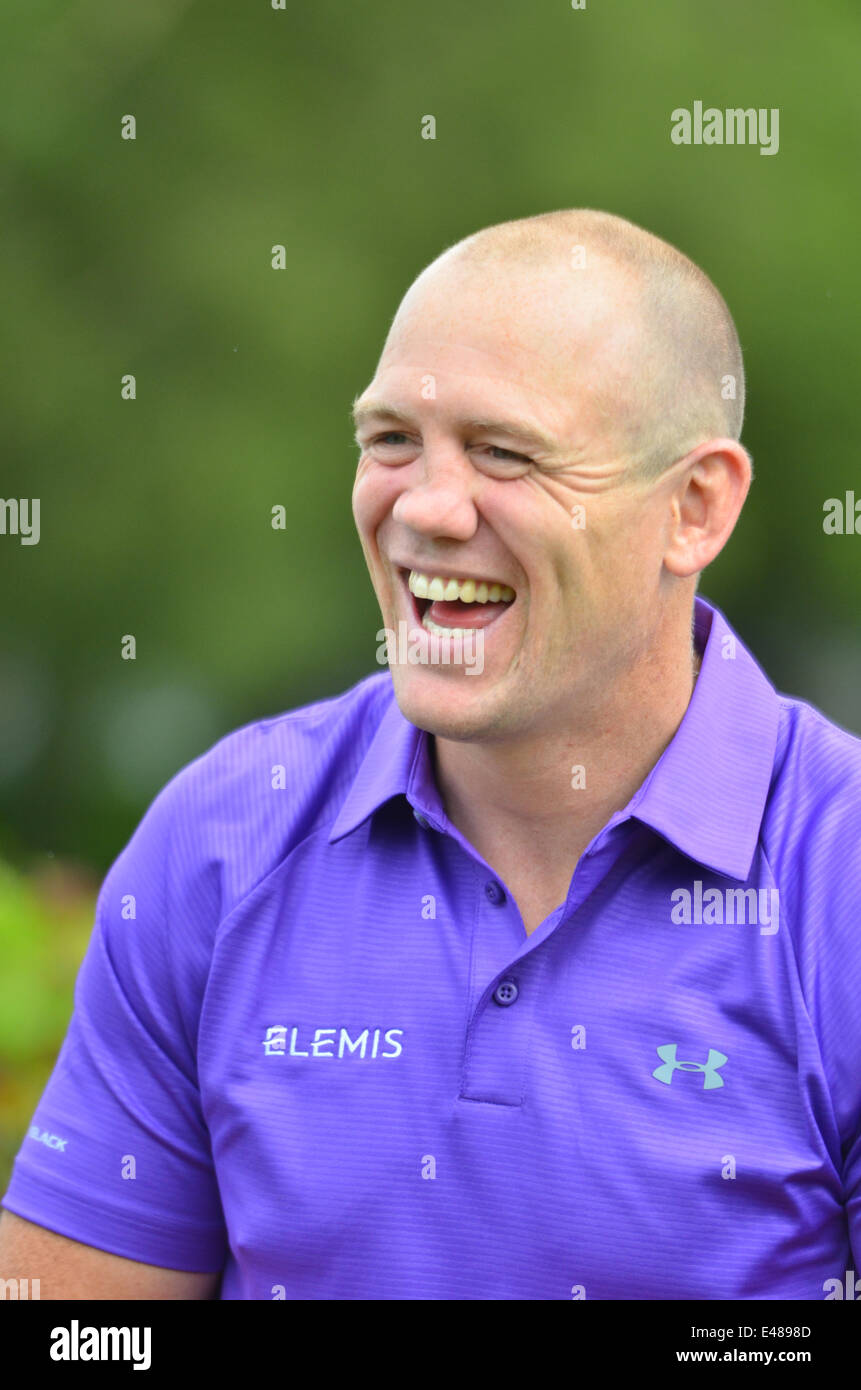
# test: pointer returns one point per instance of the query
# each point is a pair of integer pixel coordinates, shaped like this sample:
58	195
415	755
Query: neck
524	799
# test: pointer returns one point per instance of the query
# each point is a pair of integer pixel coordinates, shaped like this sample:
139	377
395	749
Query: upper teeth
467	590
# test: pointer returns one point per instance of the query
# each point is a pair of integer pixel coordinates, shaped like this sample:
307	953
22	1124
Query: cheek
607	572
370	501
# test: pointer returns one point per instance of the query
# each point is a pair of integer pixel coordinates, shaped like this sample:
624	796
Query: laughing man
533	981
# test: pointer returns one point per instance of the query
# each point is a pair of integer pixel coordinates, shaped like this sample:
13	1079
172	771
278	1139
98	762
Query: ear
712	485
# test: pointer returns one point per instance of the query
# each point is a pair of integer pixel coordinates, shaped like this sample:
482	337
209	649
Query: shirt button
505	993
494	893
422	820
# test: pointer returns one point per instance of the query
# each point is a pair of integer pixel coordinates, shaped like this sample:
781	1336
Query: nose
441	503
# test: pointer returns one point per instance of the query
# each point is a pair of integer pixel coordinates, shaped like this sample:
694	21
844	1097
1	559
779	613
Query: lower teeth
430	626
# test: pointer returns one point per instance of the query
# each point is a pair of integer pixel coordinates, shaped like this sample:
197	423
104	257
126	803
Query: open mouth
448	604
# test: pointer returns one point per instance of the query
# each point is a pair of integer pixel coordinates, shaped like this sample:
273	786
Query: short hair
689	380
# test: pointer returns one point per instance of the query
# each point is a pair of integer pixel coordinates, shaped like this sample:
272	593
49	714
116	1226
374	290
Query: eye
388	437
388	447
508	453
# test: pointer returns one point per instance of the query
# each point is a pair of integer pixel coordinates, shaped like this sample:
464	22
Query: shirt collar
706	793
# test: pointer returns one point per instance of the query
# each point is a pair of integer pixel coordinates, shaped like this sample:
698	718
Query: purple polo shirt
313	1047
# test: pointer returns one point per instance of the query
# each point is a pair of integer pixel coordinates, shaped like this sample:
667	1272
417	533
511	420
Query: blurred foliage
45	923
302	126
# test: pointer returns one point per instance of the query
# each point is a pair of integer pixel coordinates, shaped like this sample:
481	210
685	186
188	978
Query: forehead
554	340
542	309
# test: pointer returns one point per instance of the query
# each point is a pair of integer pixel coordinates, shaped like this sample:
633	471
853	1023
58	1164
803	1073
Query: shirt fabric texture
312	1046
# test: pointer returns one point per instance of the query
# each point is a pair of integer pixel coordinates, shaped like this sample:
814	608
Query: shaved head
668	366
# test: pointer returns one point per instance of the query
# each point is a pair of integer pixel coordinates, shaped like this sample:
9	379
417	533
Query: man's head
557	407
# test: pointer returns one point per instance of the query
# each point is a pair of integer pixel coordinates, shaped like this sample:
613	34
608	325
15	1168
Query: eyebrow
524	430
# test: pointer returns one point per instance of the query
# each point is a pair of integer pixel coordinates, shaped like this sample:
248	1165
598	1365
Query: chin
446	709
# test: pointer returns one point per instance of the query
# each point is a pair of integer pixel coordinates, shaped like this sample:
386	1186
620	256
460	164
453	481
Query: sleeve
821	872
117	1154
833	881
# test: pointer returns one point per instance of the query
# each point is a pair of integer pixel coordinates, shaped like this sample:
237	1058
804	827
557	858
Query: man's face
450	484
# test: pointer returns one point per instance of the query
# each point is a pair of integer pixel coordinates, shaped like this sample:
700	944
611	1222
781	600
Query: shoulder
816	787
227	818
811	828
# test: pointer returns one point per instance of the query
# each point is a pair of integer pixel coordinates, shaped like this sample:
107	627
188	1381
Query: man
533	980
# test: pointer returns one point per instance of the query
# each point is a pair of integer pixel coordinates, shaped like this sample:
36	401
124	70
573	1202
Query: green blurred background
302	126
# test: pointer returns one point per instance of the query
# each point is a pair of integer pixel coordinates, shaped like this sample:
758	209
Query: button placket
496	1054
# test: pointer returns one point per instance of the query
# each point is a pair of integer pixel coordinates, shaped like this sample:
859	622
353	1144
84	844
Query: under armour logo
709	1068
